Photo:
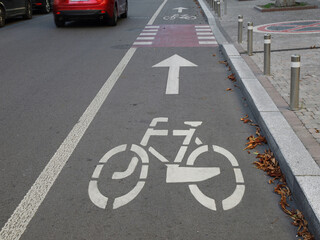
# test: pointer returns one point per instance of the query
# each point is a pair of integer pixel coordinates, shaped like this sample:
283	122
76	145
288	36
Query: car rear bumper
69	15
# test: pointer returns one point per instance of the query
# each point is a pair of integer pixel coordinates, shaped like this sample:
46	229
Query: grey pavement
293	135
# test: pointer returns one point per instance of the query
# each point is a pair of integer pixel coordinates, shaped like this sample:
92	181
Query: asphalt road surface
127	132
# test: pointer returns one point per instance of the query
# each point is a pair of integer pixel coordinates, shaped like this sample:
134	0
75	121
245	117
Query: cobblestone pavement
288	44
309	113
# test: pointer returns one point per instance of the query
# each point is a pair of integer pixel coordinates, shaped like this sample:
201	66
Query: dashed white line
206	38
142	43
148	34
207	42
145	38
204	33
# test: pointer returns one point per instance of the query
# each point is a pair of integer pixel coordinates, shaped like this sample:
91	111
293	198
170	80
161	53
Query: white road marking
95	196
150	30
181	153
238	175
123	200
203	30
204	33
234	199
145	38
207	42
180	9
148	34
227	154
152	27
193	156
144	172
152	132
202	26
177	174
142	43
206	37
155	15
132	166
203	199
174	63
158	155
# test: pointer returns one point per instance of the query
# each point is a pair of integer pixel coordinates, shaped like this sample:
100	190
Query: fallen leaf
213	55
228	89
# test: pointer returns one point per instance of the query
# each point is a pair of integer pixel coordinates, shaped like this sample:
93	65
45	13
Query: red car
106	10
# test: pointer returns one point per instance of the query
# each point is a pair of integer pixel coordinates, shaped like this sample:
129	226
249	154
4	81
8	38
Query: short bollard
211	4
250	38
219	8
240	27
267	54
215	6
225	7
295	78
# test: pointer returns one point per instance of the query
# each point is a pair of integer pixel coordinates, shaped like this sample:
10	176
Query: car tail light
58	13
38	4
103	11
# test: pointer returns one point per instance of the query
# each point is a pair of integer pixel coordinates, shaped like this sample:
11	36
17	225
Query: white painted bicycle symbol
182	16
175	173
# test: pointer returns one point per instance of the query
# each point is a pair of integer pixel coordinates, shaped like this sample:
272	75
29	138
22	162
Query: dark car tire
114	19
2	17
47	8
28	14
59	23
125	14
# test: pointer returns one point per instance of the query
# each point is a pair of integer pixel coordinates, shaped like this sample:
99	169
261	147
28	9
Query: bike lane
152	107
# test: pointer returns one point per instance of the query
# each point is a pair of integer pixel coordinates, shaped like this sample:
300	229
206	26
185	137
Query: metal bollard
267	54
240	26
215	6
250	38
211	4
219	8
225	7
295	78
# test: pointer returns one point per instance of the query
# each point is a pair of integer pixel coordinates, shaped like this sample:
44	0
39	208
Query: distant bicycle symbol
175	173
183	16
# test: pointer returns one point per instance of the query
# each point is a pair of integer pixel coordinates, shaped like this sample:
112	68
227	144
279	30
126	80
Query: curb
301	171
261	9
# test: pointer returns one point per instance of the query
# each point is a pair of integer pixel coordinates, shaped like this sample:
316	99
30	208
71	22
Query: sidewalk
292	135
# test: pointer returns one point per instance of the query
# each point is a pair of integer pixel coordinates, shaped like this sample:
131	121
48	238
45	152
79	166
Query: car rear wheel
28	14
46	9
125	14
2	17
114	19
59	22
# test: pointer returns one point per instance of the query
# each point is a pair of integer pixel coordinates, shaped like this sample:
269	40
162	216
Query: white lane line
19	220
204	33
142	43
155	15
207	42
152	27
206	37
27	208
145	38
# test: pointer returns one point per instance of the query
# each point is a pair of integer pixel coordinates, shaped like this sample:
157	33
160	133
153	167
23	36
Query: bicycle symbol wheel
98	198
235	198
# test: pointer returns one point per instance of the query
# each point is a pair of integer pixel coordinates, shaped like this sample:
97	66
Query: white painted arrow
174	63
180	9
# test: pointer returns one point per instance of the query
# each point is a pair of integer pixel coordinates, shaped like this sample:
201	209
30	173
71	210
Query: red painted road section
176	36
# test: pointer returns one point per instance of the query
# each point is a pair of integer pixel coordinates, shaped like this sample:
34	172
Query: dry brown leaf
228	89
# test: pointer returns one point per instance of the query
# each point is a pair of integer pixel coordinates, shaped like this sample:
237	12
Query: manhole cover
293	27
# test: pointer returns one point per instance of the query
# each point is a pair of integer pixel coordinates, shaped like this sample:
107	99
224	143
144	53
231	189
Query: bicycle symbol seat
175	173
